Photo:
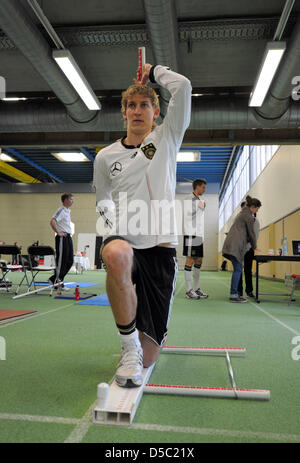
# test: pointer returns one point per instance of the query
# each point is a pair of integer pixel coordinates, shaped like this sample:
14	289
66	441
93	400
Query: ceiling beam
137	35
34	164
17	174
72	140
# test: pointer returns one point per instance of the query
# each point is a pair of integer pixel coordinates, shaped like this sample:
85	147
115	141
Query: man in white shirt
61	225
193	239
139	173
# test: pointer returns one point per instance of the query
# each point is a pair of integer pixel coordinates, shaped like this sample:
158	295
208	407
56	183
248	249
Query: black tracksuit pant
248	260
64	257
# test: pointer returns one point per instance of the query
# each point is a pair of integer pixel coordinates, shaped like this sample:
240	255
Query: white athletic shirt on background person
63	220
193	216
126	169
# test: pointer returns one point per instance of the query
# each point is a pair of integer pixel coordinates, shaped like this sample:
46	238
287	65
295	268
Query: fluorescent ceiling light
72	71
6	158
71	156
188	156
13	98
270	63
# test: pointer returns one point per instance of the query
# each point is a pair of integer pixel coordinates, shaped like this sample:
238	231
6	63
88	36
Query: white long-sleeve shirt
135	190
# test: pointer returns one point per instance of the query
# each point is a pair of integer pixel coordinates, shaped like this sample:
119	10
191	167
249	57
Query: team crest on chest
149	150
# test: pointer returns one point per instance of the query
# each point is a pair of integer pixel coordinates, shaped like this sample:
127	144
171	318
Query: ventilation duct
162	25
207	113
19	27
278	98
278	111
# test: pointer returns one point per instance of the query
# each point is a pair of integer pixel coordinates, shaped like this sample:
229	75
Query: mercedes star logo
115	168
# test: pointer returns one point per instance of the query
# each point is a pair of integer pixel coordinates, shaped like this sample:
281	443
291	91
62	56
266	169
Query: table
81	263
261	259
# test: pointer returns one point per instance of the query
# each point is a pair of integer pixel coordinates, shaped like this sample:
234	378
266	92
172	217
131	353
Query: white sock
196	276
188	277
133	337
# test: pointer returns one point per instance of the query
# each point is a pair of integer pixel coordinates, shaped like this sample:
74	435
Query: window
250	163
236	188
260	156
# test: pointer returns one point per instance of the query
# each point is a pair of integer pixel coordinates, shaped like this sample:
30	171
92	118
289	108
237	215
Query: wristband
151	75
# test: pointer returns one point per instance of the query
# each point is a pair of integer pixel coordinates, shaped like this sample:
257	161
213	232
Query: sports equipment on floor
118	405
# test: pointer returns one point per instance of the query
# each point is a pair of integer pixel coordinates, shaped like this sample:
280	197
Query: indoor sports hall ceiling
217	44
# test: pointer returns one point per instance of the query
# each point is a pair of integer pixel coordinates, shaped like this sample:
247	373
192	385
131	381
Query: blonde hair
138	89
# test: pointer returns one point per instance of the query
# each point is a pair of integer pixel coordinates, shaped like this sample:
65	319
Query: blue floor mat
72	296
98	300
81	285
70	285
41	283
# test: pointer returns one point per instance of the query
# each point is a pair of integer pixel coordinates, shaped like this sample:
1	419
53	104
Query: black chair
6	268
34	253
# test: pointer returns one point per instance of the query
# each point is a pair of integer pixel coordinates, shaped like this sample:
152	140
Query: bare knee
151	350
149	358
189	261
118	257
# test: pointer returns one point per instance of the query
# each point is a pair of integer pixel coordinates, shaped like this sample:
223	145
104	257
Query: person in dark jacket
236	243
248	261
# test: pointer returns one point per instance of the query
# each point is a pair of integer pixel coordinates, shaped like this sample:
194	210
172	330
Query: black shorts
154	276
192	246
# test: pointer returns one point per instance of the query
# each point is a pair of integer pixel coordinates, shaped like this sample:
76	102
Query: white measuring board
121	403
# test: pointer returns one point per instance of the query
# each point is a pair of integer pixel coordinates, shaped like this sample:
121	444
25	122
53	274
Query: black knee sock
127	329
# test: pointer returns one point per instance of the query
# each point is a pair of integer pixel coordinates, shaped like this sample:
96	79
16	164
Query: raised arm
101	183
179	109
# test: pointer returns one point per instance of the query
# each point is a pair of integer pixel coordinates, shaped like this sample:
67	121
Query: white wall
210	260
25	218
278	186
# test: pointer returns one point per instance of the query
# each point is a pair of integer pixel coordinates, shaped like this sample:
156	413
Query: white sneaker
65	288
191	294
200	293
130	369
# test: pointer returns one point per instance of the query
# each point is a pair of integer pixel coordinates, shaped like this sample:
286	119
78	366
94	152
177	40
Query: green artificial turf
56	358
